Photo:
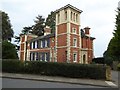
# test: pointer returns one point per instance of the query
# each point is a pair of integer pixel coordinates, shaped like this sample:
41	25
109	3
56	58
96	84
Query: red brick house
69	43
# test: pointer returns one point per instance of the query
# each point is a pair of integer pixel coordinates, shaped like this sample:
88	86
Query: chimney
47	30
87	31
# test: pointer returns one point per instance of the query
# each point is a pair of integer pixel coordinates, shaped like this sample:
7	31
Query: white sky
99	15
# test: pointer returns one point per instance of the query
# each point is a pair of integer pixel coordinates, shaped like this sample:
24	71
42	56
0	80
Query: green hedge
118	67
56	69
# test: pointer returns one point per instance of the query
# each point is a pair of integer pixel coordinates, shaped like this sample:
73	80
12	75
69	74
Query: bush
56	69
9	50
118	67
12	66
99	60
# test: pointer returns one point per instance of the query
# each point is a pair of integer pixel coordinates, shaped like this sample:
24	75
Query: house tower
68	34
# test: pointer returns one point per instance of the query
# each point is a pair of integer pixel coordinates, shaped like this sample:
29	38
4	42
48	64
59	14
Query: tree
50	21
113	50
26	30
8	50
116	39
7	31
38	28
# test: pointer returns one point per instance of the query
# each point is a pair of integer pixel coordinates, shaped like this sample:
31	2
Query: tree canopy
50	21
38	28
113	50
9	50
7	31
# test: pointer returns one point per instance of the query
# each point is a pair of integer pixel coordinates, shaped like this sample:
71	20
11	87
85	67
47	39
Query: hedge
55	69
118	67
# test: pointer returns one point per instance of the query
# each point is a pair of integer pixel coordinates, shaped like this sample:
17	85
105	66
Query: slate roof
53	35
84	36
69	6
42	37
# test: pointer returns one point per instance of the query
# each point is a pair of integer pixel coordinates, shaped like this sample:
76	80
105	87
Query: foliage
26	30
7	31
38	28
118	67
56	69
113	50
9	51
99	60
12	66
50	21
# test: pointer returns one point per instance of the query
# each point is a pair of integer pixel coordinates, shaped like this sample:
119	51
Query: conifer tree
113	50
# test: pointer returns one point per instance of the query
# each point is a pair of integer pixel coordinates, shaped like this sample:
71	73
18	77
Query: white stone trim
56	43
84	53
68	42
25	47
40	49
80	44
61	34
62	47
28	55
76	57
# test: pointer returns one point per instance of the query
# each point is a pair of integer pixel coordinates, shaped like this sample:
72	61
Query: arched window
84	59
58	18
71	15
65	15
74	17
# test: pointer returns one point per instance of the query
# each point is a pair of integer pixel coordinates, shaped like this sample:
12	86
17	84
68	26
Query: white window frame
41	44
75	58
36	44
35	56
45	57
74	30
31	56
45	43
75	43
32	45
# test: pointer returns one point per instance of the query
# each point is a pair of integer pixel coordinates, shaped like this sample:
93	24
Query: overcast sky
99	15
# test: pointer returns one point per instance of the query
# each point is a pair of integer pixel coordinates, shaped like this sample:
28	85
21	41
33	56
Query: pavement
79	81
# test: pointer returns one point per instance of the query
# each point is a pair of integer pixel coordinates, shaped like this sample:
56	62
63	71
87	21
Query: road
21	83
115	77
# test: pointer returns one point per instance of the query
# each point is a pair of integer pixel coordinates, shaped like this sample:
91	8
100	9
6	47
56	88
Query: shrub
56	69
99	60
118	67
12	66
